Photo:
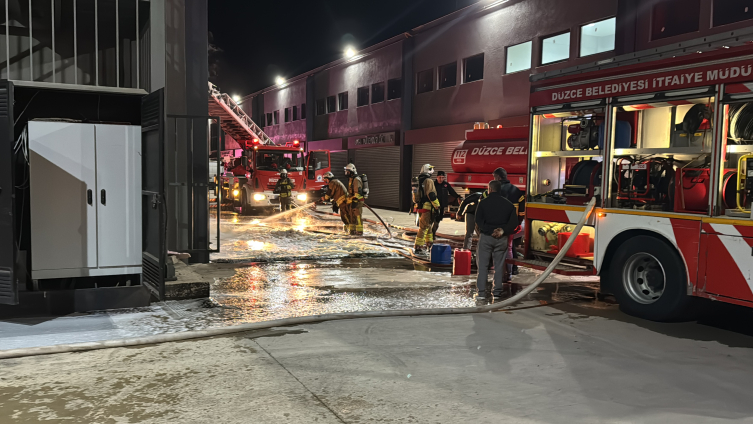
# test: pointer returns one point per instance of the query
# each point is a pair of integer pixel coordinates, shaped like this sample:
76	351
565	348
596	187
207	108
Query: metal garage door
382	166
337	161
437	154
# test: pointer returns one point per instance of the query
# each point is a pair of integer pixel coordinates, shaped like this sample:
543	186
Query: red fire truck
666	148
251	175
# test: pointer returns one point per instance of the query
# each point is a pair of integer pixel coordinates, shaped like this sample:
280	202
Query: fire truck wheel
648	278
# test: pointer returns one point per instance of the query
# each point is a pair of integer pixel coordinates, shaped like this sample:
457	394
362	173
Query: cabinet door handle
103	197
89	197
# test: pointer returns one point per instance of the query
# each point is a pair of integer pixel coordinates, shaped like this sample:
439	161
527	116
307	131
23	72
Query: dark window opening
295	113
377	92
287	114
363	96
731	11
342	99
394	89
331	104
321	160
269	119
675	17
425	81
263	122
303	111
276	117
474	68
321	107
448	75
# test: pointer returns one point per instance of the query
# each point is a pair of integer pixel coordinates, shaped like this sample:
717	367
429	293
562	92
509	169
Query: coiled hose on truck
212	332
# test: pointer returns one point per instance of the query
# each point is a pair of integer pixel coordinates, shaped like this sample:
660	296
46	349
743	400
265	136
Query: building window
276	117
269	119
555	49
448	75
597	37
377	92
321	107
394	89
473	68
675	17
331	104
287	114
731	11
519	57
303	111
425	81
295	113
363	96
342	99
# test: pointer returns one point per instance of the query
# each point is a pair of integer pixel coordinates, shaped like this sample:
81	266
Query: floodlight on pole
350	52
280	80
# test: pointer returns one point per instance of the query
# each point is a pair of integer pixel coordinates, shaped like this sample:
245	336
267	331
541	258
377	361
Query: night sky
261	39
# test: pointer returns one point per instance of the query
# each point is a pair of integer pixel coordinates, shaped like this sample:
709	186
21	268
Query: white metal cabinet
73	234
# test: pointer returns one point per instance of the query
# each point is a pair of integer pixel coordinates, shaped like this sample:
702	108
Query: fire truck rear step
562	269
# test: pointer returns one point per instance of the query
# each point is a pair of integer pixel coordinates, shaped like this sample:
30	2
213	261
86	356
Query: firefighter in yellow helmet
355	200
284	188
428	202
338	193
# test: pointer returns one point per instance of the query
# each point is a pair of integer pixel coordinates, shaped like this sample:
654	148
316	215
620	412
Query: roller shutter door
382	166
437	154
338	160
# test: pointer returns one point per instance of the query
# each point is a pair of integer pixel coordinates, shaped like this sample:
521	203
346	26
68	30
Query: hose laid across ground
213	332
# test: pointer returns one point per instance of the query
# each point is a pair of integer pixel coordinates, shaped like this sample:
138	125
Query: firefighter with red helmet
355	200
428	203
284	188
338	193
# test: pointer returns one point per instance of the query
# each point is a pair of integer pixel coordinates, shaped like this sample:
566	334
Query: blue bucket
441	254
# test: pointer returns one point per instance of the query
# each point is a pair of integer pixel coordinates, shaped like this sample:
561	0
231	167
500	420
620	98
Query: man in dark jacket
444	191
497	221
517	197
467	210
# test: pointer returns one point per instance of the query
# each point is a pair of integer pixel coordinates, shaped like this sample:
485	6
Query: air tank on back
488	149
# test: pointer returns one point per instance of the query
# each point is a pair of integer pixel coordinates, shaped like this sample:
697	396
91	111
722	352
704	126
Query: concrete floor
551	364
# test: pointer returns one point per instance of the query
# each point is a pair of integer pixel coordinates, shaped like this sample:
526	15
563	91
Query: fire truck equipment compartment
623	133
580	247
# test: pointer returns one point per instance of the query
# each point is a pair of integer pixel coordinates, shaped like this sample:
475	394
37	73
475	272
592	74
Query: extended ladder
234	121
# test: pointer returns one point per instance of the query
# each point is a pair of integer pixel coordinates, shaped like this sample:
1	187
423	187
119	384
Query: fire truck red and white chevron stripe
739	88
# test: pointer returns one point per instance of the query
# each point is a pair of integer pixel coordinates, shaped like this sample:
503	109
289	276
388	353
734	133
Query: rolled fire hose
213	332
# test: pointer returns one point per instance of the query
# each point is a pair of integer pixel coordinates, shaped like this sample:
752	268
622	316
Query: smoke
214	53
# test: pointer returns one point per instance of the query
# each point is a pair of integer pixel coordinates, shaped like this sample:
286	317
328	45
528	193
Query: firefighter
428	203
355	200
444	191
284	188
339	195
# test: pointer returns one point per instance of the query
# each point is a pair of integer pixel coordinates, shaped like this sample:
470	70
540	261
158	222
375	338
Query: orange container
581	246
461	265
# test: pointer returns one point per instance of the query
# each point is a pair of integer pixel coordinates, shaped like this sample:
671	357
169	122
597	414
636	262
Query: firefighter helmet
427	169
351	168
329	176
284	173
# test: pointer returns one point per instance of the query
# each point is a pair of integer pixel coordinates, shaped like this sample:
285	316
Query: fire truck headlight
259	197
302	197
236	193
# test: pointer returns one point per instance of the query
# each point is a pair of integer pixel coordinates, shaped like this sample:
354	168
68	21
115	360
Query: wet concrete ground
564	354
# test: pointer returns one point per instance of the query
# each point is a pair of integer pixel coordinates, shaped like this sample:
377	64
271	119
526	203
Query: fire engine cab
666	148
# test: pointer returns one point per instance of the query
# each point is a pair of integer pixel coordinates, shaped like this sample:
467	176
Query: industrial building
396	105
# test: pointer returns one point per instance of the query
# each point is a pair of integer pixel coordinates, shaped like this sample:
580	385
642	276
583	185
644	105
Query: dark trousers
490	249
470	228
286	204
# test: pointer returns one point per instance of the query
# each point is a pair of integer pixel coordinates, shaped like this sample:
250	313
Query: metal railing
240	114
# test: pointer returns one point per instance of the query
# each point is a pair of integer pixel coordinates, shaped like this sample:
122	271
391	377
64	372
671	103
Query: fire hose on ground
213	332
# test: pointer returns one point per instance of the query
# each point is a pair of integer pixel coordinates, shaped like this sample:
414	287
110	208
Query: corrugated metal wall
382	166
437	154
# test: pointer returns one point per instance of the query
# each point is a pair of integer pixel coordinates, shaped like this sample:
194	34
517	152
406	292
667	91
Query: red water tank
487	149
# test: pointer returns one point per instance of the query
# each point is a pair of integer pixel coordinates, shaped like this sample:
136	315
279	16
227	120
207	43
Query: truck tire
648	278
